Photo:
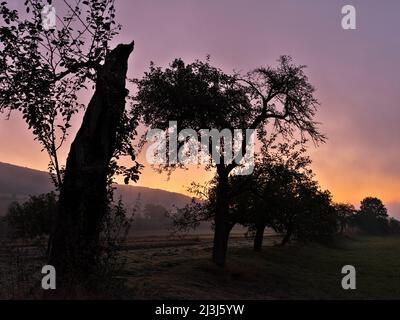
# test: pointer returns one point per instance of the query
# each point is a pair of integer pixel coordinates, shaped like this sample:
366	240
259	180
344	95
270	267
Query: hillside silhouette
17	183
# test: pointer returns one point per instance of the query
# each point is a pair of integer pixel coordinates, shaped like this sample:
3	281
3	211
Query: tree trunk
222	224
74	244
286	238
221	238
342	227
259	237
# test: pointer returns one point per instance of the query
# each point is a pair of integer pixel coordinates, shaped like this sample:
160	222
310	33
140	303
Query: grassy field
161	267
181	269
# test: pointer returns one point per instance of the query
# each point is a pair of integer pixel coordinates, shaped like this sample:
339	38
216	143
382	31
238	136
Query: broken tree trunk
74	245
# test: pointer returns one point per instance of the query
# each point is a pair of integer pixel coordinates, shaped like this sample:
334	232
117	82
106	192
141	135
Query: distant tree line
35	218
279	195
371	218
32	219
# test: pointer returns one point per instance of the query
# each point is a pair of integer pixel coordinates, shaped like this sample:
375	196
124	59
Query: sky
356	74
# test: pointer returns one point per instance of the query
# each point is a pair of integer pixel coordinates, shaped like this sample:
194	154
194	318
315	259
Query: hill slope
17	183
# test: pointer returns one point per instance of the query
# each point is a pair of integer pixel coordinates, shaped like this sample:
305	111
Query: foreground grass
311	271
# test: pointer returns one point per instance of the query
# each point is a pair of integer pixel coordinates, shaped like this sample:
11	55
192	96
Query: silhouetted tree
273	185
280	194
345	214
153	217
34	218
394	226
372	216
315	219
83	195
42	72
4	228
291	203
199	96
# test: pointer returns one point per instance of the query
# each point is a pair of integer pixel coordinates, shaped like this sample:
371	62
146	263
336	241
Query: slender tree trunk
259	237
286	238
222	224
83	202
